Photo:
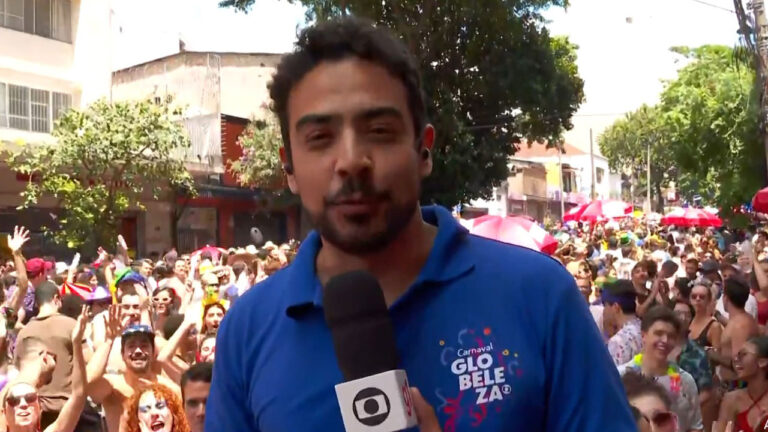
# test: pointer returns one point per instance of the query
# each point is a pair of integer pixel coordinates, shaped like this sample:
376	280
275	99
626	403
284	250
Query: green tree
711	113
626	144
106	158
705	129
492	74
260	164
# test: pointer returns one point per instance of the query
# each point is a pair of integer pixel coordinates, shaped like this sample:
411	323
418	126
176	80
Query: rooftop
531	150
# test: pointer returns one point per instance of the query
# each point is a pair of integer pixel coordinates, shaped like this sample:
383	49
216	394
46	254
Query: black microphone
375	396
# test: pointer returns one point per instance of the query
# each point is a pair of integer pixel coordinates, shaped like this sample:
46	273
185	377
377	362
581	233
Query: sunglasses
161	404
698	297
14	400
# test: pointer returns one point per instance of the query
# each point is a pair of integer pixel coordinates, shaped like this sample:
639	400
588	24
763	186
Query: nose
353	158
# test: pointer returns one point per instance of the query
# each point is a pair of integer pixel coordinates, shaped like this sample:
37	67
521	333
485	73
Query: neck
623	319
758	385
654	367
47	310
396	266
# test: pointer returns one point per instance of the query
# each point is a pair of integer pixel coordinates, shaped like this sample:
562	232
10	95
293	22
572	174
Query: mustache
357	188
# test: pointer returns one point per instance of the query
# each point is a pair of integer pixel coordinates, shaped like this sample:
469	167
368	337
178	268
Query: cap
61	267
137	330
209	278
709	266
99	293
130	276
35	266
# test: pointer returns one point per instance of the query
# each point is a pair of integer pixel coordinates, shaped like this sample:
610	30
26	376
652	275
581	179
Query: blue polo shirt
496	337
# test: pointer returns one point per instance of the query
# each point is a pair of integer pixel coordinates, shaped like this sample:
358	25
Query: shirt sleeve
583	385
616	351
227	405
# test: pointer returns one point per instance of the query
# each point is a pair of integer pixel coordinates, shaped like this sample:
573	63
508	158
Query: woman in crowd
155	408
21	404
212	315
164	302
651	400
180	350
748	407
704	329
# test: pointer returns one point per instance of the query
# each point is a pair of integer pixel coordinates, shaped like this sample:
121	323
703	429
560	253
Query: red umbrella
573	214
760	201
599	210
214	251
691	217
517	230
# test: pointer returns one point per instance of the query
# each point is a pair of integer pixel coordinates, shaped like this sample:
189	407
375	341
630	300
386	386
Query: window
567	182
31	109
46	18
18	107
61	103
599	173
40	110
3	107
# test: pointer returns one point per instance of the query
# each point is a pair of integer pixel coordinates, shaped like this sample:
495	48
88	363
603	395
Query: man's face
146	269
355	155
690	269
138	353
213	317
659	340
180	269
196	395
130	306
585	287
639	275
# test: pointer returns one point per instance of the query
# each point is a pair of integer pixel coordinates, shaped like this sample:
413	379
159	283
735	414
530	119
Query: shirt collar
448	259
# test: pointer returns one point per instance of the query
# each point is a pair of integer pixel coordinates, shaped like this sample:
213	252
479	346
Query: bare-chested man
138	351
741	327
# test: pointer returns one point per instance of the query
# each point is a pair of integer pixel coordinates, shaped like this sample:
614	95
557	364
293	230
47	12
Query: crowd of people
117	344
683	312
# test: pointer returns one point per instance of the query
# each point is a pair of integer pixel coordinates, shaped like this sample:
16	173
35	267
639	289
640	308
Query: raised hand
115	322
82	321
20	236
121	243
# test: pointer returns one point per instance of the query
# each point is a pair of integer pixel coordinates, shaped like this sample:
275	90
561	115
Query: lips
158	425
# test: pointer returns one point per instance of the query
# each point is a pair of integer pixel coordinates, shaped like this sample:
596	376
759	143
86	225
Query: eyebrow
368	114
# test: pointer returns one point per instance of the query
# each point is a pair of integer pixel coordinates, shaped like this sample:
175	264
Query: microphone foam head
357	315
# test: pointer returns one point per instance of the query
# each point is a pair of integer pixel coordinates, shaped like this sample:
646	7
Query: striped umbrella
82	291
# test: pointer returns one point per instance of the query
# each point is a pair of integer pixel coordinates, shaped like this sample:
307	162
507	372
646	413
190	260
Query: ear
289	173
427	141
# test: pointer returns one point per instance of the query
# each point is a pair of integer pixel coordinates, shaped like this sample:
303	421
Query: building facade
54	55
220	93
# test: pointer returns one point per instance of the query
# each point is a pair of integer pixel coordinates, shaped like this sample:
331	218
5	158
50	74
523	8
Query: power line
722	8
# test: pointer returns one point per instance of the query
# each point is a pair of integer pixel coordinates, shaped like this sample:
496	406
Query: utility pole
593	194
648	179
760	51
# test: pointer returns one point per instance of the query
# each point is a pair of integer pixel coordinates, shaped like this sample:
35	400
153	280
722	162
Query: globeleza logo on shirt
483	371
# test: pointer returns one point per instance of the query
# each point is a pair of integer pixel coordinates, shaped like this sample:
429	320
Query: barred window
40	108
3	106
18	107
60	103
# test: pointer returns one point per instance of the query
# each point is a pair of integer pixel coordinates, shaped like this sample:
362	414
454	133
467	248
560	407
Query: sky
623	44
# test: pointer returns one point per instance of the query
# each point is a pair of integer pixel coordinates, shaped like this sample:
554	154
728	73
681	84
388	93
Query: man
113	389
55	331
195	386
740	328
619	313
134	310
691	268
356	147
625	264
661	331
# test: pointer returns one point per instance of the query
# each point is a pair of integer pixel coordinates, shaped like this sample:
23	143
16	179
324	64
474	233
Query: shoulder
687	379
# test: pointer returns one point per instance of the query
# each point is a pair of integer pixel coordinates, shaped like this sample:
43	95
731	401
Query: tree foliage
492	74
107	158
705	130
260	164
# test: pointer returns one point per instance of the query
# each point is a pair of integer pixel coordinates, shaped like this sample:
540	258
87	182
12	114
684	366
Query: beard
363	238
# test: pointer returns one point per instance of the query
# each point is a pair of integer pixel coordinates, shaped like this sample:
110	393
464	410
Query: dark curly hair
180	423
339	39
